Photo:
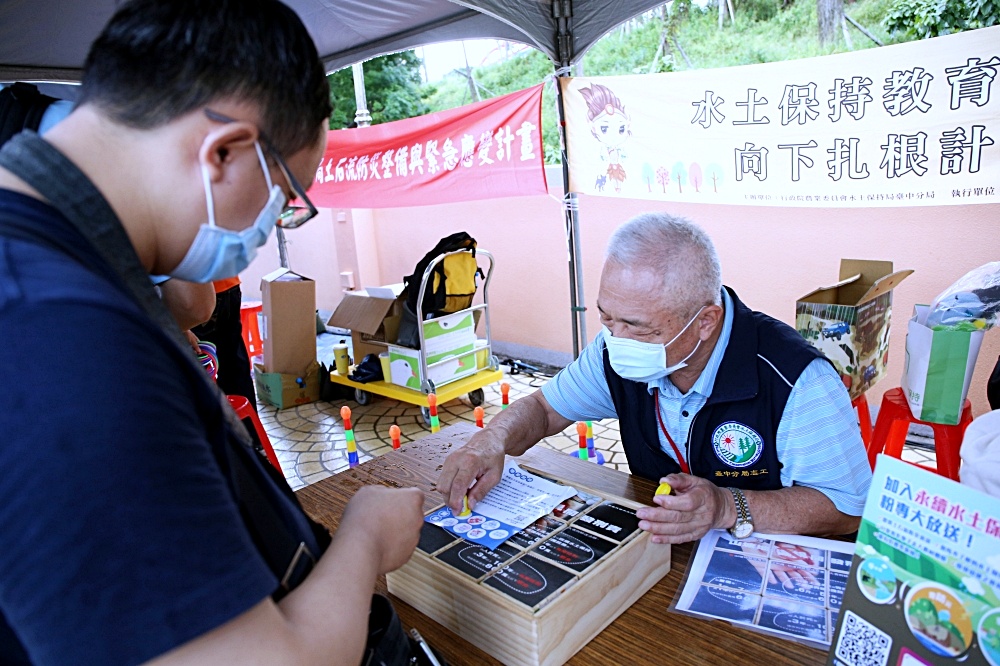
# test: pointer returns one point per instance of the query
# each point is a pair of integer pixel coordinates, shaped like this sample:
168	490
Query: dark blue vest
731	441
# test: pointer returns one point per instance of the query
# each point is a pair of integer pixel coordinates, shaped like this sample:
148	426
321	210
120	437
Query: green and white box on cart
449	347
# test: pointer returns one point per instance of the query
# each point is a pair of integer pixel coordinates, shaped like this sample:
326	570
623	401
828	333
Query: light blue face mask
217	253
645	361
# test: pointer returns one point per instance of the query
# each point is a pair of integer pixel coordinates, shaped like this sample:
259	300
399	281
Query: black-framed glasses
293	215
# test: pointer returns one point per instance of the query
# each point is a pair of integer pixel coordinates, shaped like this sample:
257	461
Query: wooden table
645	634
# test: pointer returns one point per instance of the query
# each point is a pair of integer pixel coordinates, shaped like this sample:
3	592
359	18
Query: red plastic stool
251	330
893	422
243	410
864	419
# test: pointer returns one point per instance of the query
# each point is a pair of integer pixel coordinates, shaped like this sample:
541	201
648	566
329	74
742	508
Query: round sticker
737	445
499	534
491	524
476	533
989	636
877	581
448	522
938	619
462	528
476	520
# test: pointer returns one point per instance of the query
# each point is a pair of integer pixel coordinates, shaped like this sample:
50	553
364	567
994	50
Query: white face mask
645	361
218	253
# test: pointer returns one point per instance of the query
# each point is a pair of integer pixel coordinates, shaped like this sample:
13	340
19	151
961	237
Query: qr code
861	643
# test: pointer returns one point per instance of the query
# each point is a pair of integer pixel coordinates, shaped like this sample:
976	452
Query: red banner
485	150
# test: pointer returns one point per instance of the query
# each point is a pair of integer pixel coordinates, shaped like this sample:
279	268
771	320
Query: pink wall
770	256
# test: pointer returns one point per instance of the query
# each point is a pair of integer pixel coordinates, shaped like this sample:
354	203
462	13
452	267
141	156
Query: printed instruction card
517	501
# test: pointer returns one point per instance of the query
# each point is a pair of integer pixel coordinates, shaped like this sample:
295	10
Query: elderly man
750	425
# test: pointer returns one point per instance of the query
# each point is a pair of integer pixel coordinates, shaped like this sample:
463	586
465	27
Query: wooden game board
545	593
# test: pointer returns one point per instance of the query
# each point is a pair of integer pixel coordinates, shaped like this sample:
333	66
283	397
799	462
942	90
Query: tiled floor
310	443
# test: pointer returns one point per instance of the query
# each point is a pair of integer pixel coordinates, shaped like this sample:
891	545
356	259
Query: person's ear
222	143
710	320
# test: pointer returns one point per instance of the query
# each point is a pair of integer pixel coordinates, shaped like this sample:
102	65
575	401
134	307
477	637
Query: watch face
742	530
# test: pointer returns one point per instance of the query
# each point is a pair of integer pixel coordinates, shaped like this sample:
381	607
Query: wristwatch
744	521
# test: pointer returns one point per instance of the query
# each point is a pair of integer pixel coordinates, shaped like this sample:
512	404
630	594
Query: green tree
393	89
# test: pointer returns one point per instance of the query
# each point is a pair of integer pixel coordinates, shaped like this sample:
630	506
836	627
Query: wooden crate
571	613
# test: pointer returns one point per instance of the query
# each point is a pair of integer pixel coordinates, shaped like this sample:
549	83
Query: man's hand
480	460
389	519
696	507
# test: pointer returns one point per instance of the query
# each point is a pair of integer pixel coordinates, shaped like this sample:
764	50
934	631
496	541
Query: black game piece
475	560
613	521
433	538
535	532
574	548
529	580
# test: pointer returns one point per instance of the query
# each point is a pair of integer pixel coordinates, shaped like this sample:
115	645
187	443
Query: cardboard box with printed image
373	316
283	390
849	321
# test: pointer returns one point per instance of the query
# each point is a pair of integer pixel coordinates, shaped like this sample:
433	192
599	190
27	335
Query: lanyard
659	418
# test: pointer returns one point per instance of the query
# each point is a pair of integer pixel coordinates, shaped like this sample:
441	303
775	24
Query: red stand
864	419
893	422
243	410
251	330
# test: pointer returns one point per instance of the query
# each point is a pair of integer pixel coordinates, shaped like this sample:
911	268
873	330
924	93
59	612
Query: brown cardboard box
849	321
289	321
373	320
287	390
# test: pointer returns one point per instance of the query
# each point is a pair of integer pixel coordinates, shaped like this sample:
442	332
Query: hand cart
472	384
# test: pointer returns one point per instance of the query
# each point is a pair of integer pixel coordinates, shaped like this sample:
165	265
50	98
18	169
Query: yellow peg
663	489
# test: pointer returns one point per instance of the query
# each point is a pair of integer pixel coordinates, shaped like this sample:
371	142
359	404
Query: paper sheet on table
518	500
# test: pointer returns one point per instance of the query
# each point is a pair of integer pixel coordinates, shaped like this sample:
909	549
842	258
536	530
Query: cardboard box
849	321
289	322
287	390
373	320
404	366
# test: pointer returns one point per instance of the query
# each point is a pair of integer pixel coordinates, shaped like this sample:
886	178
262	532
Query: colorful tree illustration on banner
648	175
713	174
694	175
663	178
679	175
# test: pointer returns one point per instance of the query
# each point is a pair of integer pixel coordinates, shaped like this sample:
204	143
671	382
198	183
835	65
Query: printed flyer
788	586
924	585
520	499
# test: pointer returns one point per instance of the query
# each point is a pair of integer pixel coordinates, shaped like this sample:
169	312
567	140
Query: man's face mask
218	253
645	361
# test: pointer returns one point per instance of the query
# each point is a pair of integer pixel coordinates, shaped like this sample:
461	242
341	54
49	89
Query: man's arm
325	619
511	432
699	506
190	303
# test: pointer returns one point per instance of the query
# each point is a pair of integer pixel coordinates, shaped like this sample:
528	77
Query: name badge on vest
736	444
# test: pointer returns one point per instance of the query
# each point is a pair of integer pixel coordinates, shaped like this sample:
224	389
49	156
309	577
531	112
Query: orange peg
345	413
581	429
478	412
505	388
432	400
394	435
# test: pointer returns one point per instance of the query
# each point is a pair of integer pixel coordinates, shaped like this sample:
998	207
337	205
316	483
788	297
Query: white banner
913	124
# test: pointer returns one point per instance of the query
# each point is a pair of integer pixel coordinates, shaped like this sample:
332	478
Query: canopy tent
47	40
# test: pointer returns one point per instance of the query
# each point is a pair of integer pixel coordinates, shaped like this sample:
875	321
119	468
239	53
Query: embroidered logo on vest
737	445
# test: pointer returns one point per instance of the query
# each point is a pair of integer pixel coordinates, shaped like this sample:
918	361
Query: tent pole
562	11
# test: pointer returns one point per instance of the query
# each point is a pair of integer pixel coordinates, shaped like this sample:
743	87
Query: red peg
394	435
478	412
345	413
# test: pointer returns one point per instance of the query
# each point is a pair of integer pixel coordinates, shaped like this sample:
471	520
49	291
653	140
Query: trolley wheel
362	397
426	413
477	397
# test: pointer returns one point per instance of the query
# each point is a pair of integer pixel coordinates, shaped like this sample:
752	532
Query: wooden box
545	593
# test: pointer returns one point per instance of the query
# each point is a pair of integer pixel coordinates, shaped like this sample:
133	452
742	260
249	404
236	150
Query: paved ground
310	444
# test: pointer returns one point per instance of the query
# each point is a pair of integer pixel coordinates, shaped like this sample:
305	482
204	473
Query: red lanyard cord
659	418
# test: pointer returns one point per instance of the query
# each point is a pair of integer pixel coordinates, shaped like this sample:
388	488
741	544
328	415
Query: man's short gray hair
677	249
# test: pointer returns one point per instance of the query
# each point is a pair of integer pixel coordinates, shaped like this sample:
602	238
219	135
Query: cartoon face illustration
611	125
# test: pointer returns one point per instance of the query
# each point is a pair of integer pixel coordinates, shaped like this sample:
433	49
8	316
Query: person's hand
389	518
697	506
193	341
480	460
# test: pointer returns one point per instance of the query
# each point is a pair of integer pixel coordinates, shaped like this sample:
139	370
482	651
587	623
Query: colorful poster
924	585
912	124
520	499
485	150
788	586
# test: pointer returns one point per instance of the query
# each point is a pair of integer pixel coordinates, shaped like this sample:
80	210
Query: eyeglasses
294	215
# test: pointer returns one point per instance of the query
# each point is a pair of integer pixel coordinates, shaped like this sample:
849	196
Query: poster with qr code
924	585
787	586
